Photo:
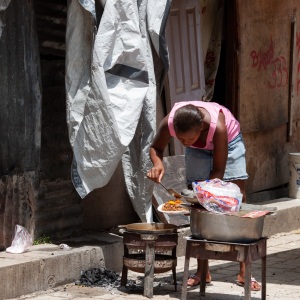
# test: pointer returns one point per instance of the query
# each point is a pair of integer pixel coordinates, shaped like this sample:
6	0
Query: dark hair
186	118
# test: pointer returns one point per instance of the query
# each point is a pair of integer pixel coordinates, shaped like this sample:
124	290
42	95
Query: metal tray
227	228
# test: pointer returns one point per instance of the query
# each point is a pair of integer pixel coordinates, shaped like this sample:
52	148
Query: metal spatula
171	192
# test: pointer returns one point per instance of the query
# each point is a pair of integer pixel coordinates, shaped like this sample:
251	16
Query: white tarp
4	4
112	88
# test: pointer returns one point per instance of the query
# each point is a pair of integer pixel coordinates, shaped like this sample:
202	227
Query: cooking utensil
227	228
175	194
171	192
150	228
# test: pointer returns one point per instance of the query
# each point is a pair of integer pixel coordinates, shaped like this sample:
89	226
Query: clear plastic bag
21	242
218	196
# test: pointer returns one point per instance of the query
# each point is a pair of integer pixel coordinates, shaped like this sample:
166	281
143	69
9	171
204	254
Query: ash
101	277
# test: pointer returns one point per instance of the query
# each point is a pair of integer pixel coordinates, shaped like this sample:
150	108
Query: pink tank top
233	126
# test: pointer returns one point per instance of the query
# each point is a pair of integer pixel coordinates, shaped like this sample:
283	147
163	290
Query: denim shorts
199	162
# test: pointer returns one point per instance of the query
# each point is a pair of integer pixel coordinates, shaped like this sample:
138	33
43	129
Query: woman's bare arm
160	142
220	152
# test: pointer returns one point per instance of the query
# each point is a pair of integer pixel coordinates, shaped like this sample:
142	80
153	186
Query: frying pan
150	228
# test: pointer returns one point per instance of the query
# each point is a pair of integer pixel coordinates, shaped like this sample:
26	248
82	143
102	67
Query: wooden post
149	269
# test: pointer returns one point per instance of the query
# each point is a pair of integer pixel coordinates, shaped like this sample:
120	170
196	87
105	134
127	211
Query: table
240	252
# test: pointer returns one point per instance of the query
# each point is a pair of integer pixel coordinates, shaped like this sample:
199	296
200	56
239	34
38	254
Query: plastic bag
21	242
64	247
218	196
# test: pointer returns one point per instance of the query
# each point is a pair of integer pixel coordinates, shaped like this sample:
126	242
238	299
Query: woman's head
186	118
187	122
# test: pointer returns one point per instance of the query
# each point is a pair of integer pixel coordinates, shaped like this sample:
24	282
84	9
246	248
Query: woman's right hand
160	141
156	173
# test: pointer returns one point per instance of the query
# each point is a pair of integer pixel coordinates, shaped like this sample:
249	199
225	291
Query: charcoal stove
149	248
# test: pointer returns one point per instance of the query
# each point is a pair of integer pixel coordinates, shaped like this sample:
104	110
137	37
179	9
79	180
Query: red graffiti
279	75
262	59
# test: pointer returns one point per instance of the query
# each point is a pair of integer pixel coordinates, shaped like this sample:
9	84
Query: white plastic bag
218	196
21	242
64	247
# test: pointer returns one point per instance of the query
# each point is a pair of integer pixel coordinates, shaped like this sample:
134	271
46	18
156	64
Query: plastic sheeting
4	4
111	86
212	13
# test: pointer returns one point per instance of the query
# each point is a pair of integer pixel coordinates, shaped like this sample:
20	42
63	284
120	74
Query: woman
214	149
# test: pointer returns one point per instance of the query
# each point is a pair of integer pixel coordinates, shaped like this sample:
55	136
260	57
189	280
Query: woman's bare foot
194	279
255	286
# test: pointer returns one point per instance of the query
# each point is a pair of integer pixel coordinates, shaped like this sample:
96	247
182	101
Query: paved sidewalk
283	279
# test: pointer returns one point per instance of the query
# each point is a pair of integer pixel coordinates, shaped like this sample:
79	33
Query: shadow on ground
281	267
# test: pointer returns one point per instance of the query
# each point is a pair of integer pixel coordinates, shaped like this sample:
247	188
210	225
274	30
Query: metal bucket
294	181
226	228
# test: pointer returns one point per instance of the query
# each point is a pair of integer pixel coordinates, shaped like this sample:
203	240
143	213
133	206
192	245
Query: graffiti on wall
274	66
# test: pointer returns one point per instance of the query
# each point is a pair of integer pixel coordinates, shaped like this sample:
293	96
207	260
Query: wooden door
265	94
186	75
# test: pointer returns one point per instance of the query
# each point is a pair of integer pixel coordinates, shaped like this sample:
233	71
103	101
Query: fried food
173	205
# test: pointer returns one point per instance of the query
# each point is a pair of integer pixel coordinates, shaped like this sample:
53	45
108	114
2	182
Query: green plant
42	240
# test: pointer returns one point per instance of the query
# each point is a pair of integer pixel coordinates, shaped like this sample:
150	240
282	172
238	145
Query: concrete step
45	266
286	218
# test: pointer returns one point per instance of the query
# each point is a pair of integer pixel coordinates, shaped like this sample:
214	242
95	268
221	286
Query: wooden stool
245	253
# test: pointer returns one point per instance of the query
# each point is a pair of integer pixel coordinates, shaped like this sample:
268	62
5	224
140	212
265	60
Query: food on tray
255	214
173	205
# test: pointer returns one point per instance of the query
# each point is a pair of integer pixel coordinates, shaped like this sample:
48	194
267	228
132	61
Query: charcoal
101	277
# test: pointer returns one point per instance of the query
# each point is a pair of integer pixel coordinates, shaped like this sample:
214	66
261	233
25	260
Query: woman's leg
241	276
198	164
195	278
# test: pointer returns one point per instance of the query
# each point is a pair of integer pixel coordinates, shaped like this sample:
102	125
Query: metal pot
227	228
150	228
